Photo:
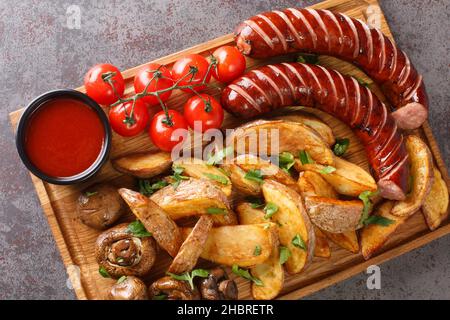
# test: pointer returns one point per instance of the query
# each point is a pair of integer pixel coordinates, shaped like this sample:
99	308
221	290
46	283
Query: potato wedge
311	183
248	162
348	178
313	122
198	169
435	206
271	273
192	247
347	240
248	215
256	138
422	177
239	182
293	223
230	245
322	248
163	228
144	164
334	215
373	236
195	197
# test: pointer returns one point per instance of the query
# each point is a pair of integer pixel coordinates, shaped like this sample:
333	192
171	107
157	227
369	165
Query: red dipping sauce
64	137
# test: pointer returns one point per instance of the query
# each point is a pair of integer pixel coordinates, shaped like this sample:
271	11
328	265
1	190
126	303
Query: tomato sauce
64	137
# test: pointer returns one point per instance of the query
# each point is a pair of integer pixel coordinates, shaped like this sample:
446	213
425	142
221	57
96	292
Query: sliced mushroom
131	288
172	289
121	253
99	206
217	286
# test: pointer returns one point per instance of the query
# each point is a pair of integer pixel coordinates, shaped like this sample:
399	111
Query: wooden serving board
76	241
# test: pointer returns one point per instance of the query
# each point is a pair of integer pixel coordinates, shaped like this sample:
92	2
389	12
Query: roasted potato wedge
311	183
248	162
248	215
195	197
334	215
313	122
144	164
348	178
192	247
163	228
271	274
347	240
239	182
293	223
322	248
373	236
230	245
435	206
422	177
292	137
198	169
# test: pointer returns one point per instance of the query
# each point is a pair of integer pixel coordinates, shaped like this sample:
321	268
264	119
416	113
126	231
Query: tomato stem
157	74
108	78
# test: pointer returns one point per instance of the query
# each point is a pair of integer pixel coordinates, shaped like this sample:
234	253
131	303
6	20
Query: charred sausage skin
325	32
274	86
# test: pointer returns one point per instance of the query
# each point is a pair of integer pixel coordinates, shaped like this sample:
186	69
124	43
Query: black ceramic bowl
39	102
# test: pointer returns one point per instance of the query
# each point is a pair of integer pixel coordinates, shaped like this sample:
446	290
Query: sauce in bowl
63	137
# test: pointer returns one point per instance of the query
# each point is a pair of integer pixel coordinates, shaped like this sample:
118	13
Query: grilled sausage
325	32
274	86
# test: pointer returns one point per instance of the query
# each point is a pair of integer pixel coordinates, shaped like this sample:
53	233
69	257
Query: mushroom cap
123	254
132	288
99	206
173	289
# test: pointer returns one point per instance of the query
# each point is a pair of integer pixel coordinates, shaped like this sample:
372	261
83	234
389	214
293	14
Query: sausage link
275	86
325	32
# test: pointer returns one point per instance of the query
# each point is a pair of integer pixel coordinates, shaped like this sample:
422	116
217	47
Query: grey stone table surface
38	52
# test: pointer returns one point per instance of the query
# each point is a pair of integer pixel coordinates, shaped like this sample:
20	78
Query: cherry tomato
159	80
230	64
97	83
182	67
126	124
161	132
209	114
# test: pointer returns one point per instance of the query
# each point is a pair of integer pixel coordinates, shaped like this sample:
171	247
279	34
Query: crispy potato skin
163	228
422	173
198	169
293	220
435	206
192	247
347	240
193	197
334	215
374	236
293	136
322	248
349	179
236	244
322	129
311	183
143	164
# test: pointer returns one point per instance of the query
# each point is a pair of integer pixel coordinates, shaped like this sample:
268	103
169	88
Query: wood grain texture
76	241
